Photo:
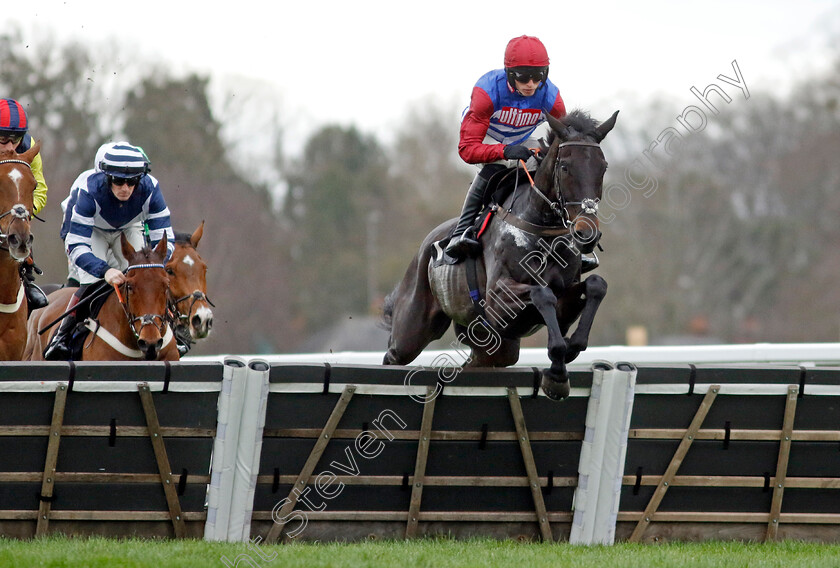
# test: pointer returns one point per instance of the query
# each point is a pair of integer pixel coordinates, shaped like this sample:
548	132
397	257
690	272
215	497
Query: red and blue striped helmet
12	117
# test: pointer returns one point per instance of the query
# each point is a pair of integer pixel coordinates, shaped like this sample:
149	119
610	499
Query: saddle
99	292
500	185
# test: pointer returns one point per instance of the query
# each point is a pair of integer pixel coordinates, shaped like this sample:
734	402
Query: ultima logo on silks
517	117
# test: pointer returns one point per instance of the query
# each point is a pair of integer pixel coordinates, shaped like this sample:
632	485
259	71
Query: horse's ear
127	250
196	236
559	127
546	167
30	154
605	127
160	249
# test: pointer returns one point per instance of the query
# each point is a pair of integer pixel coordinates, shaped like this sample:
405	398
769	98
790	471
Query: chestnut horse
528	274
131	325
17	188
188	303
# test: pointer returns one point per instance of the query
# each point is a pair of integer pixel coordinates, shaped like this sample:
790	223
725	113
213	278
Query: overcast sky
365	62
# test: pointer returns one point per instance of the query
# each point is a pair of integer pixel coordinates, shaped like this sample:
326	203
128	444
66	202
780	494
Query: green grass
438	553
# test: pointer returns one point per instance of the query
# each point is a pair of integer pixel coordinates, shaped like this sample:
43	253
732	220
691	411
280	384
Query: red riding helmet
526	55
12	117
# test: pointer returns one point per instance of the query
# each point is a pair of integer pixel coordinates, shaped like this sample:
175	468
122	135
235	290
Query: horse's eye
564	168
170	272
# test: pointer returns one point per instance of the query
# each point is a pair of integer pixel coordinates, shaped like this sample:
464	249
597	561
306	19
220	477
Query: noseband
157	320
18	211
196	296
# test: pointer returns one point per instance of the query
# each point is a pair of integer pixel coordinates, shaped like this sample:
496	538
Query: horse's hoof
554	389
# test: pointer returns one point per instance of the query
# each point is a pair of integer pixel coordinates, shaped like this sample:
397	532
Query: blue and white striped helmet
123	160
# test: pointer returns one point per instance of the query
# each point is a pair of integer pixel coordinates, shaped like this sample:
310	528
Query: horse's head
188	286
17	191
144	295
574	168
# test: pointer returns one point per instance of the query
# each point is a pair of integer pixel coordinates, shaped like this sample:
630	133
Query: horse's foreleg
594	290
555	381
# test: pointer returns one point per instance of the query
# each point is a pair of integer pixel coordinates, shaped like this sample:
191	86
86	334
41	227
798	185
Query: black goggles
526	75
7	137
118	181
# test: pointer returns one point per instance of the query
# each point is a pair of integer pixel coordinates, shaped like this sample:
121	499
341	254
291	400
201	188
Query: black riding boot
463	241
35	297
59	347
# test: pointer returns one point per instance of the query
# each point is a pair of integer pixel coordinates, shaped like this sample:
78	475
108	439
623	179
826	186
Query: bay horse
118	333
528	274
17	188
189	305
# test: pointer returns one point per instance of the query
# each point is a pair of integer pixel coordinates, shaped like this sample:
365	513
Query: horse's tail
387	322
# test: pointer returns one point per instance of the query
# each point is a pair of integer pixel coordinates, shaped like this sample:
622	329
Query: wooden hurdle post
162	459
530	465
48	480
311	462
675	463
782	463
423	443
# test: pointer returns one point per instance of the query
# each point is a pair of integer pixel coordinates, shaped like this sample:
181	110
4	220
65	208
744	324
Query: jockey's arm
558	109
39	198
471	146
78	241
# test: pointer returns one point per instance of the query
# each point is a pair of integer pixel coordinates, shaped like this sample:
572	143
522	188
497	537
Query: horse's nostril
31	238
13	240
142	344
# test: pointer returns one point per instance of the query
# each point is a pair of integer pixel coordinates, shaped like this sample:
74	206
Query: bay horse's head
17	192
144	295
574	168
188	286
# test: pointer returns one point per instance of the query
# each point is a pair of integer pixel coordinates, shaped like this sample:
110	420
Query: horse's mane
144	256
579	121
183	238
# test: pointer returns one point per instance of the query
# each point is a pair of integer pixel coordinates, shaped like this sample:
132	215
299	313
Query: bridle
183	317
159	321
17	211
560	206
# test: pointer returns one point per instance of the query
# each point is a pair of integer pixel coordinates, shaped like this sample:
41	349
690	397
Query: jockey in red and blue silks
506	106
14	135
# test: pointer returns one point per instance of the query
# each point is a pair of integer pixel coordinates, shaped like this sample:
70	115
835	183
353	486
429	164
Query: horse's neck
527	205
112	317
9	278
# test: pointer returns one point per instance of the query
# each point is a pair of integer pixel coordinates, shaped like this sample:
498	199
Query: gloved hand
517	153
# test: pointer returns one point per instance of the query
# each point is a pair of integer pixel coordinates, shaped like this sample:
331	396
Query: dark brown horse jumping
131	326
17	187
528	274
